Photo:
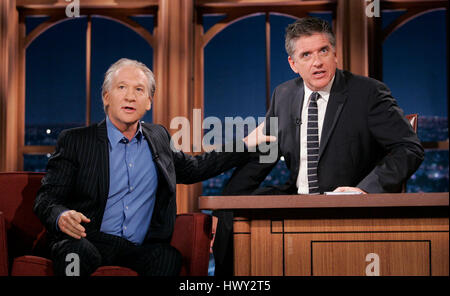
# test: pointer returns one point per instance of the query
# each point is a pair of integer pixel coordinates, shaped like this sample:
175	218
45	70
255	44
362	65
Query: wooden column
10	104
374	47
174	74
352	36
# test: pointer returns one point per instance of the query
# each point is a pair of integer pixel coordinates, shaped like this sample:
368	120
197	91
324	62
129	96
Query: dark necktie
312	144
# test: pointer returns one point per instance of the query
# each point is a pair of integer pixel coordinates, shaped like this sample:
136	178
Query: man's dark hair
307	26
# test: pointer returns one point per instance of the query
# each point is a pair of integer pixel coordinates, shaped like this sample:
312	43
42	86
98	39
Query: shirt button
130	165
126	208
125	227
131	188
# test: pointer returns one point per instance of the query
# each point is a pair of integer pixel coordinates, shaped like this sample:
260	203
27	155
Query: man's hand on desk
349	189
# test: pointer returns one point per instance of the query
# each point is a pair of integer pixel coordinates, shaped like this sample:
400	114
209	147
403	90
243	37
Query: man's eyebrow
308	51
124	82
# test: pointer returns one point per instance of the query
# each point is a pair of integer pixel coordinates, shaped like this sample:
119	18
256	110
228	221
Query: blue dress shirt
133	181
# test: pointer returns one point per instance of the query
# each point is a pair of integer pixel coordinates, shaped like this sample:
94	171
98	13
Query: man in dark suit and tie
336	131
109	191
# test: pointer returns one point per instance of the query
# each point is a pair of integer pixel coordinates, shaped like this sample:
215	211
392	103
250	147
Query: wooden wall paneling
12	87
174	72
3	81
268	93
21	96
160	65
351	36
88	69
8	81
341	25
188	194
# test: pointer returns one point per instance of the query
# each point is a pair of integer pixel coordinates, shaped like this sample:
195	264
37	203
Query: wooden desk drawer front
360	258
389	253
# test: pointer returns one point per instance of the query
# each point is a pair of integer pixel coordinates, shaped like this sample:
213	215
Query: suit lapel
103	161
296	115
152	139
337	99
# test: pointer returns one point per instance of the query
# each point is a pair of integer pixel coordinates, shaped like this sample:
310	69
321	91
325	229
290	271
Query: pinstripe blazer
77	177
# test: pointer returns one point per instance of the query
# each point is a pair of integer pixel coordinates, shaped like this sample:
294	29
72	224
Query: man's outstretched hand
256	137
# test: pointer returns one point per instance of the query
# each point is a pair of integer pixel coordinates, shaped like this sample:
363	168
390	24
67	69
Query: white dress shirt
322	101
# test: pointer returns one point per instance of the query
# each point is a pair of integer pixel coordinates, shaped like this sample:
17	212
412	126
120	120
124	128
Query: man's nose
317	60
130	95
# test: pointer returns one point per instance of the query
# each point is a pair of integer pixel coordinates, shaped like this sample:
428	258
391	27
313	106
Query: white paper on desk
342	193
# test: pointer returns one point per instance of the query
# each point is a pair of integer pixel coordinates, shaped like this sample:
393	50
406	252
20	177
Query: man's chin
319	85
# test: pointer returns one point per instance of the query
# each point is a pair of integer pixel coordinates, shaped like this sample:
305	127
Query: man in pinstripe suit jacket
109	192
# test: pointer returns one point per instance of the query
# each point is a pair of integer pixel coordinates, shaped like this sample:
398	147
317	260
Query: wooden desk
384	234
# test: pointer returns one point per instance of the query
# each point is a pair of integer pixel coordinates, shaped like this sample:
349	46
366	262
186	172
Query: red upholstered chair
413	118
3	247
22	236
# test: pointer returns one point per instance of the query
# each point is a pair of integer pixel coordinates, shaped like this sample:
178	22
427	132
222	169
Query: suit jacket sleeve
56	184
247	177
192	169
392	130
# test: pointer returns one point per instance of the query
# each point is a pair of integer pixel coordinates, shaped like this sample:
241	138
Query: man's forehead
129	73
314	41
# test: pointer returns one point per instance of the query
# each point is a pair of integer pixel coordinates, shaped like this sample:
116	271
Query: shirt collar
115	136
324	93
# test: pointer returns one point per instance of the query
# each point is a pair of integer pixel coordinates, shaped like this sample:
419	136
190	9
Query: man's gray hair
307	26
151	86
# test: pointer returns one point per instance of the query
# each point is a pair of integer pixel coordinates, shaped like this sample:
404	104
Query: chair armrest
192	237
3	247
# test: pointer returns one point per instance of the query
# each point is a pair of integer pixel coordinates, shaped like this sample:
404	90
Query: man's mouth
319	74
128	109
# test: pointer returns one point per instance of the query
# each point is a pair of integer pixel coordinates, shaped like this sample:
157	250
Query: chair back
17	194
412	118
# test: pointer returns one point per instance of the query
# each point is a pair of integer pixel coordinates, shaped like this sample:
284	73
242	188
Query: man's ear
149	103
335	55
292	64
105	99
